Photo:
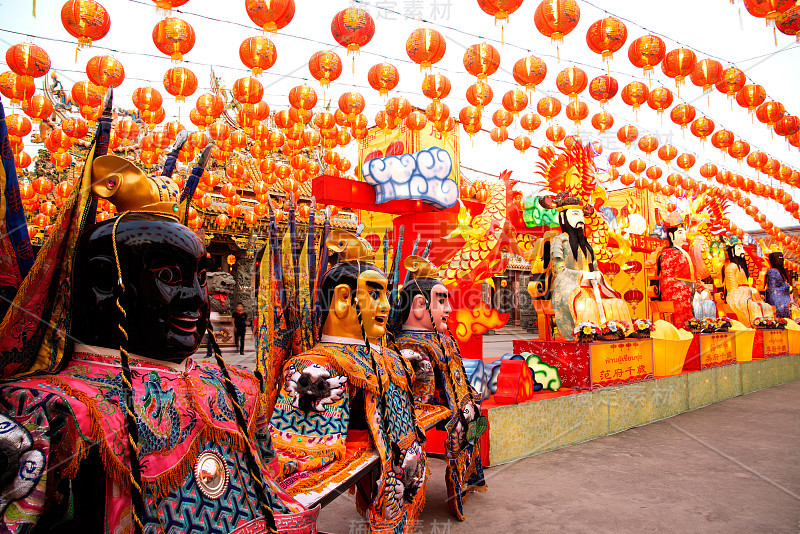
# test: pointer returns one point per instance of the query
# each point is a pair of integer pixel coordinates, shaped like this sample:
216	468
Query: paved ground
729	467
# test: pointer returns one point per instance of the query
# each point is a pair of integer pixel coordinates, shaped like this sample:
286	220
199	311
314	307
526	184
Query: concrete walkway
728	467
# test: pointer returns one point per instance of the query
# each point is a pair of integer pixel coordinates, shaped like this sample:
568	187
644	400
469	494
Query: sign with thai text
717	349
776	343
621	362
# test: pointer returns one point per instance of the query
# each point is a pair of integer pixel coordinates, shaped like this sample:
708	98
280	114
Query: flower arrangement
723	324
769	323
642	328
613	330
704	325
586	332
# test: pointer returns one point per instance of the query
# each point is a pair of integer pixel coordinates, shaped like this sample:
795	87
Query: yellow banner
717	349
776	342
619	362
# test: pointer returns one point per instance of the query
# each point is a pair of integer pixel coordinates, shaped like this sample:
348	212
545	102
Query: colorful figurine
120	430
349	397
739	294
423	339
779	290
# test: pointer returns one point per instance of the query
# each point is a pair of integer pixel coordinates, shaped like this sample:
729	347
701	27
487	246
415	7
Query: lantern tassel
34	8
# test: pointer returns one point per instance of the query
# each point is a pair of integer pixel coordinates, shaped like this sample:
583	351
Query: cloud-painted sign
423	175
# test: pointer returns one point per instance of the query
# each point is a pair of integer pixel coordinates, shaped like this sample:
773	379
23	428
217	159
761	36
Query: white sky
712	28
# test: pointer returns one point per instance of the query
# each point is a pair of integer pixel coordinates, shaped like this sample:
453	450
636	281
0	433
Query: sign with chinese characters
621	362
717	349
776	343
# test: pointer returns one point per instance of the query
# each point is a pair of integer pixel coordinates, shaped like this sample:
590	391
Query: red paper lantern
767	9
22	161
577	111
751	96
325	66
723	139
678	64
557	18
258	54
502	118
248	91
515	101
530	122
174	37
481	60
500	9
147	99
571	81
770	112
499	135
682	114
606	36
61	161
555	134
739	149
686	161
352	103
788	22
603	88
435	86
384	77
702	127
659	99
602	121
646	52
180	82
353	28
27	60
548	107
788	125
708	170
85	93
635	94
648	144
85	20
303	97
38	108
654	172
479	94
210	105
529	71
425	47
706	74
18	125
105	71
637	166
627	134
270	15
16	88
75	127
667	153
522	143
731	81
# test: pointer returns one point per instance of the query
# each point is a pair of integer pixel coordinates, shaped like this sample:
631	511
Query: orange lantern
85	20
635	94
739	149
706	74
248	91
648	144
646	52
723	139
27	60
571	81
258	54
501	117
770	112
682	114
445	126
637	166
353	28
15	87
60	140
75	127
180	82
105	71
325	66
425	47
210	105
522	143
85	93
352	103
768	9
788	22
384	77
61	161
602	121
548	107
127	128
686	161
667	153
731	81
147	99
479	94
41	186
270	15
500	9
751	96
577	111
627	134
529	72
659	99
530	122
616	159
708	170
222	220
787	126
435	86
499	134
303	97
481	60
174	37
199	120
678	64
557	18
515	101
151	118
398	108
606	36
18	125
603	88
22	161
469	115
702	127
219	131
555	134
654	172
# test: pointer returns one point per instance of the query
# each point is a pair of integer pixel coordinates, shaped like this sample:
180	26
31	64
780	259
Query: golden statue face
374	303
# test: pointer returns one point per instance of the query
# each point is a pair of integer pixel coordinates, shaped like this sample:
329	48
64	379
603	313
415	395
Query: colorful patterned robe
75	419
464	471
745	300
325	443
779	294
573	297
677	283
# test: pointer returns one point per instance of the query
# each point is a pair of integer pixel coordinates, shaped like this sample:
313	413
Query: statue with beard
779	289
744	299
580	293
